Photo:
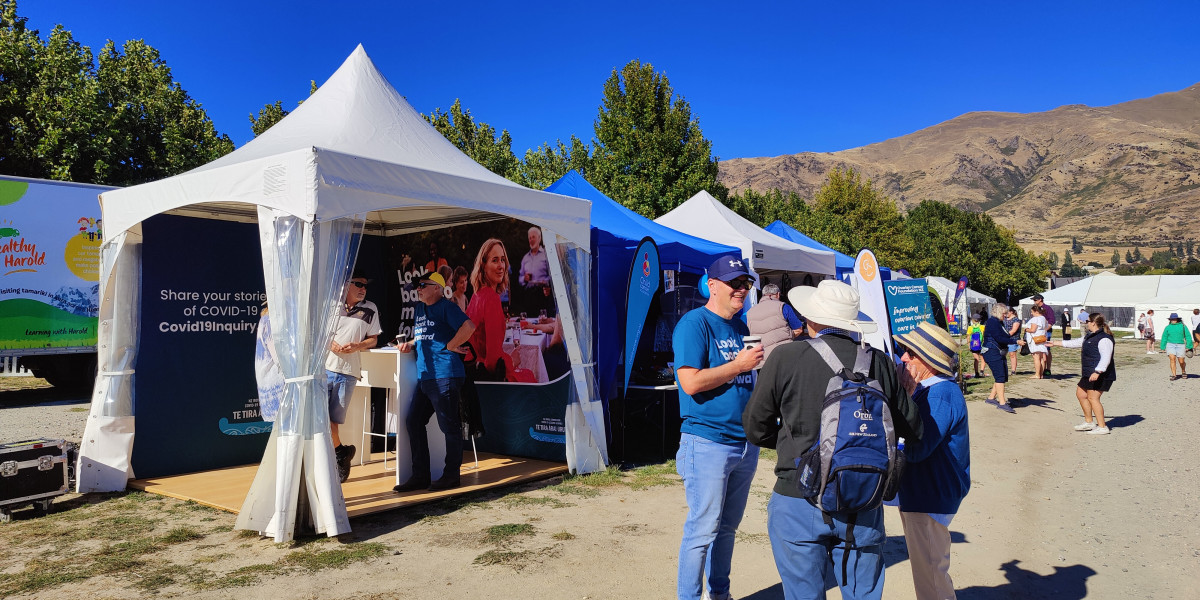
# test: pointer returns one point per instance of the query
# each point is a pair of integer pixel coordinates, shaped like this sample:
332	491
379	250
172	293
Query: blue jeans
803	546
435	396
716	482
341	389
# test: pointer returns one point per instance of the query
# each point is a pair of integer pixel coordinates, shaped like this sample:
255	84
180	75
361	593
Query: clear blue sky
763	78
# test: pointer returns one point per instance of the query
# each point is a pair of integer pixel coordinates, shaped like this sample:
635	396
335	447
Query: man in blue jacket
938	475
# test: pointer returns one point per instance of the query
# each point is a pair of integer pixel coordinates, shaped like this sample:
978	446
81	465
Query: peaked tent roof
627	228
353	147
705	216
787	232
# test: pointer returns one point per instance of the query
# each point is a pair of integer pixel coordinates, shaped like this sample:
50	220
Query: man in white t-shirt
356	329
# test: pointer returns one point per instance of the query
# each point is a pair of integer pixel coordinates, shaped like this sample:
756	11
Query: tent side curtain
105	454
305	267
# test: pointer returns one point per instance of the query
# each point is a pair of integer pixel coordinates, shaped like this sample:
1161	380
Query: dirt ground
1052	514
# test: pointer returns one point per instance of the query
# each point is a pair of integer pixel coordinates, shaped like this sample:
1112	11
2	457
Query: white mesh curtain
305	266
587	451
104	456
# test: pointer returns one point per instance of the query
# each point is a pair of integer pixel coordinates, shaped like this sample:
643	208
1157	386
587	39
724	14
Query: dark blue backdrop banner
195	397
908	304
645	278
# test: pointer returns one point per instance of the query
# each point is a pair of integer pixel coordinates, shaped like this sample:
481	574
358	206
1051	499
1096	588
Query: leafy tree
1050	259
649	153
1137	255
1179	251
1128	257
268	115
477	140
1070	269
849	214
1164	259
547	164
119	118
1191	247
1076	247
762	209
1116	259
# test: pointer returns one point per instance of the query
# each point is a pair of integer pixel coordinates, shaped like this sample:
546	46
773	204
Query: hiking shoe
1085	427
344	454
1006	408
709	596
992	401
1099	431
413	484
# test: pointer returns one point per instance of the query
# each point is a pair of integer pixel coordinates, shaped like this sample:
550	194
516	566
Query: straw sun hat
933	345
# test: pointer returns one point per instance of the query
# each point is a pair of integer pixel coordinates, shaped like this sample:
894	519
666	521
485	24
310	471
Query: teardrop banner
871	300
645	279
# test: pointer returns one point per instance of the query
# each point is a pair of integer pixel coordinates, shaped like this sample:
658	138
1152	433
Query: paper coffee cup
753	341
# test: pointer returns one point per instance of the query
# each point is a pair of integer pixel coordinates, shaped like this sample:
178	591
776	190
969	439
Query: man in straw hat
715	461
792	386
938	474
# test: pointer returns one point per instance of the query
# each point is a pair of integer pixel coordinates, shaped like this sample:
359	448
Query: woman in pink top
489	279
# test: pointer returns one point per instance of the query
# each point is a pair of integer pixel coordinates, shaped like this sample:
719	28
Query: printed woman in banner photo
266	370
489	279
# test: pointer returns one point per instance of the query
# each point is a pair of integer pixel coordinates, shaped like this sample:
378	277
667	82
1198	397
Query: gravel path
30	408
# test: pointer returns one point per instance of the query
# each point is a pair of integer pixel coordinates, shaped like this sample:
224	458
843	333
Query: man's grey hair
770	289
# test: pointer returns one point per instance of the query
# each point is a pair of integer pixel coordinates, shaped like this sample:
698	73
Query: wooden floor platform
367	491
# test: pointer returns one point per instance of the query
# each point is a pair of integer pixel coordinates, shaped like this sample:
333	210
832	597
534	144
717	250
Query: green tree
1076	247
1116	259
848	214
477	140
649	152
547	164
1070	269
764	208
1050	259
1191	247
1137	255
119	118
1128	257
1179	251
268	115
1164	259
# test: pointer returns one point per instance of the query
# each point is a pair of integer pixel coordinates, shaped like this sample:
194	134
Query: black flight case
33	472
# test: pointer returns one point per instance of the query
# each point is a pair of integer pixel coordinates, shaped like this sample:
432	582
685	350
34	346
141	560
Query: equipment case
32	471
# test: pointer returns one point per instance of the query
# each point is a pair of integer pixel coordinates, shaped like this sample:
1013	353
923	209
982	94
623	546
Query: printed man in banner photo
535	275
791	388
716	462
440	329
356	329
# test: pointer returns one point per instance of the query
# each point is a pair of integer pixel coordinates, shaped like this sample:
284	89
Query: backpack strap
831	360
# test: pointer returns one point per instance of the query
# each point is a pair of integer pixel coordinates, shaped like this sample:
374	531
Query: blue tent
843	263
616	232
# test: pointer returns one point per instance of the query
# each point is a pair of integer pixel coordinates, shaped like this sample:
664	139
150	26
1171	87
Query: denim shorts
1176	349
341	389
1014	348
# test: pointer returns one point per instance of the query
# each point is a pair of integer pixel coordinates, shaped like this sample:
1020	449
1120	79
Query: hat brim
802	300
919	344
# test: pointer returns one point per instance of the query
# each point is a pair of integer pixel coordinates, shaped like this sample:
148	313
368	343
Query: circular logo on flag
869	269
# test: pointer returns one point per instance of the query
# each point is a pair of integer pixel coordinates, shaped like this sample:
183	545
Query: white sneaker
1151	352
1098	431
706	596
1085	427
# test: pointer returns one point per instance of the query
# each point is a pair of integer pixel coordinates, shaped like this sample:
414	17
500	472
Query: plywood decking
367	491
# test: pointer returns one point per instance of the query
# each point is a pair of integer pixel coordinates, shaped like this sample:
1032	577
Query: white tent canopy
705	217
353	158
970	301
1118	297
1182	300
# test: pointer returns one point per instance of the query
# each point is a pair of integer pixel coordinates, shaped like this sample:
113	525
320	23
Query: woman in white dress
1036	328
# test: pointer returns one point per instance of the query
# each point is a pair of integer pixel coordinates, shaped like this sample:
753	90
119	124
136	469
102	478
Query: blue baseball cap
728	268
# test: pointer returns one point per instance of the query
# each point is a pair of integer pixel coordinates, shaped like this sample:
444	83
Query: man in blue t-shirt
440	328
716	463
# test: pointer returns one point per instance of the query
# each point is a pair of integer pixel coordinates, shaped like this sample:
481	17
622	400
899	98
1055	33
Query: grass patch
502	534
120	527
509	558
563	536
570	489
336	558
79	409
768	454
653	475
181	534
247	534
39	575
608	477
522	501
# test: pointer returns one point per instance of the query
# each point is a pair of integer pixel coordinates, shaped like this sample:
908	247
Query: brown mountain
1113	175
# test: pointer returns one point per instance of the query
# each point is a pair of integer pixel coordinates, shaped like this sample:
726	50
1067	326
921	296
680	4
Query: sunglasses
740	284
358	284
425	283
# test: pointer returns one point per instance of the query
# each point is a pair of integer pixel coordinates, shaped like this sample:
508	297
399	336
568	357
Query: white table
529	356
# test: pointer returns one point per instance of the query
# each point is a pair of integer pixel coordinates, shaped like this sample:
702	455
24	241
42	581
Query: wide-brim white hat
831	303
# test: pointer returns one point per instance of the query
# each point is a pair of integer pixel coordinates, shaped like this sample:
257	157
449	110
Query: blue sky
763	78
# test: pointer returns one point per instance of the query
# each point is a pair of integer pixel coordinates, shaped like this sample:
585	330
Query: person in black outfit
1099	372
996	341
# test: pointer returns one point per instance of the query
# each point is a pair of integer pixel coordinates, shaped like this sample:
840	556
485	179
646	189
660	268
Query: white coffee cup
753	341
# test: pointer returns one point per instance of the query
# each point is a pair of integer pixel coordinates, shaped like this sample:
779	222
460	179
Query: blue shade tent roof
616	232
843	262
625	228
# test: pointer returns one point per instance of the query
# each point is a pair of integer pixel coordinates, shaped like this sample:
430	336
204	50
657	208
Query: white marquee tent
1118	297
354	159
970	301
705	217
1182	300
